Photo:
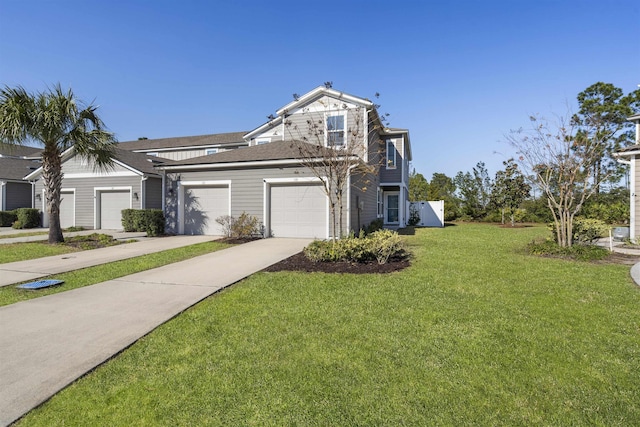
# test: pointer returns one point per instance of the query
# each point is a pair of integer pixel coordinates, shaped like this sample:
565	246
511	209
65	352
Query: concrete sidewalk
49	342
17	238
16	272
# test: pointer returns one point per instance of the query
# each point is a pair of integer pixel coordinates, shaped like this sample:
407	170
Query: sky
460	75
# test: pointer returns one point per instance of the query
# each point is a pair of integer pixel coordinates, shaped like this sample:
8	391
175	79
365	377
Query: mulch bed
299	262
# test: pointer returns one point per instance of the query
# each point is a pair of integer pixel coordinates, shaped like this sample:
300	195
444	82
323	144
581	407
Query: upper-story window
261	141
335	130
211	151
391	154
154	154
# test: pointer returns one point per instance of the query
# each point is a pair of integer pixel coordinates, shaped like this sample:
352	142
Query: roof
277	150
627	151
12	168
12	150
184	141
139	162
635	117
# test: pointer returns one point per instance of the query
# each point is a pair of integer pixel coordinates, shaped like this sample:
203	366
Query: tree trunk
52	180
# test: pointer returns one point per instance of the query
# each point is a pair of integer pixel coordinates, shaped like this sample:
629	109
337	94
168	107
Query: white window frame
153	153
342	114
380	204
391	163
261	141
210	151
388	194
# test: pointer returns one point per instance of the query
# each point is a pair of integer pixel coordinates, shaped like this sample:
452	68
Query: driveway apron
48	342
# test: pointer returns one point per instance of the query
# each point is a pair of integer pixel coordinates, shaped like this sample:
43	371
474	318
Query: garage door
298	211
111	205
202	205
67	209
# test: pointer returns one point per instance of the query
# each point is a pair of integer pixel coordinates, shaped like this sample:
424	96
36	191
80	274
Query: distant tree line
563	171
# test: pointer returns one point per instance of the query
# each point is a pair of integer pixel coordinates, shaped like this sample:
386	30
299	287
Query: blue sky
458	74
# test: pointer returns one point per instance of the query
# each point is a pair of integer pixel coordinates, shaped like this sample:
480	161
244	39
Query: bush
414	216
374	226
27	218
380	246
149	220
239	228
579	252
585	230
7	218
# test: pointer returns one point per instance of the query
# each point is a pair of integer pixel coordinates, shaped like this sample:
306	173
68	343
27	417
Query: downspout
3	185
143	192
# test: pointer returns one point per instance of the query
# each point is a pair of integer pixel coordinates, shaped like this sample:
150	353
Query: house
95	199
273	180
15	163
631	156
263	172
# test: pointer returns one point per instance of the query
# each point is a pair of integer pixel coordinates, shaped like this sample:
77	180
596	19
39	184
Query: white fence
431	213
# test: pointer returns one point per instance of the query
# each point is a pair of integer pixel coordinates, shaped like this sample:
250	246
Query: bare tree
561	159
337	149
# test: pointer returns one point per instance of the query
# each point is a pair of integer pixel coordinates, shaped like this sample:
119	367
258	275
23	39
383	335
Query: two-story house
266	172
280	180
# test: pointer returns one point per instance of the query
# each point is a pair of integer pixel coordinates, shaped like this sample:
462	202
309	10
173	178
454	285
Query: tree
602	118
561	159
474	191
510	189
334	149
442	187
57	121
418	187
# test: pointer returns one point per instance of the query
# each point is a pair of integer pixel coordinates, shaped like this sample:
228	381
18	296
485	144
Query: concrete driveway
49	342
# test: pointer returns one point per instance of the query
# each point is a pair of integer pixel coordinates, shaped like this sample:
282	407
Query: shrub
149	220
374	226
585	230
414	216
7	218
579	252
380	246
27	218
245	226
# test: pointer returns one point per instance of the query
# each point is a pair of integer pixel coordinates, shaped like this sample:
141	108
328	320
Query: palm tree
57	121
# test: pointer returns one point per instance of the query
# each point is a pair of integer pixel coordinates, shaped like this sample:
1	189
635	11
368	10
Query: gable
76	167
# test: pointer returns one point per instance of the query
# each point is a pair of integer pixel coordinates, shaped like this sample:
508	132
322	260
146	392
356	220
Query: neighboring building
262	172
631	156
15	163
95	199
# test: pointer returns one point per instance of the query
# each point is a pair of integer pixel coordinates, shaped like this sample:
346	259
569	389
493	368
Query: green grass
101	273
25	234
13	252
475	332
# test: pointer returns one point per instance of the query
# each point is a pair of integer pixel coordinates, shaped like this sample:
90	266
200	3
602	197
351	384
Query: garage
67	208
298	211
201	206
111	203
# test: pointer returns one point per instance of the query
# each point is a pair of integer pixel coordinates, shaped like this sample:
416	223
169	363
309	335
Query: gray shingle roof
138	161
16	169
277	150
11	150
184	141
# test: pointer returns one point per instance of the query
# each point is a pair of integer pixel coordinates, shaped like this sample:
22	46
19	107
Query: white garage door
67	209
298	211
202	205
111	205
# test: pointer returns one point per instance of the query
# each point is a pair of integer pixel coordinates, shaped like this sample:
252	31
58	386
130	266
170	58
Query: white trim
209	151
271	123
386	207
96	202
3	190
395	156
100	174
248	164
322	90
206	183
345	118
261	141
266	189
632	199
188	147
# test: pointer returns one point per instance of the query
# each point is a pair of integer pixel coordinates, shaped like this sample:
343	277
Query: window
380	206
391	154
335	130
154	154
211	151
263	141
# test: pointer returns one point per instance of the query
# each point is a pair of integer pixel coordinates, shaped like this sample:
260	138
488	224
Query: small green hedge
27	218
7	218
149	220
380	246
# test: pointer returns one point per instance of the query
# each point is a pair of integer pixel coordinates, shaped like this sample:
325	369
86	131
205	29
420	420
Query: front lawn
475	332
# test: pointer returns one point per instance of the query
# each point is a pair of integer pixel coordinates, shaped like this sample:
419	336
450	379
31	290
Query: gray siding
153	193
364	188
17	195
392	175
247	189
85	194
186	154
77	165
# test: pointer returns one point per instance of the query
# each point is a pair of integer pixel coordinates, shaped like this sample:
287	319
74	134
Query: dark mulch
238	240
299	262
